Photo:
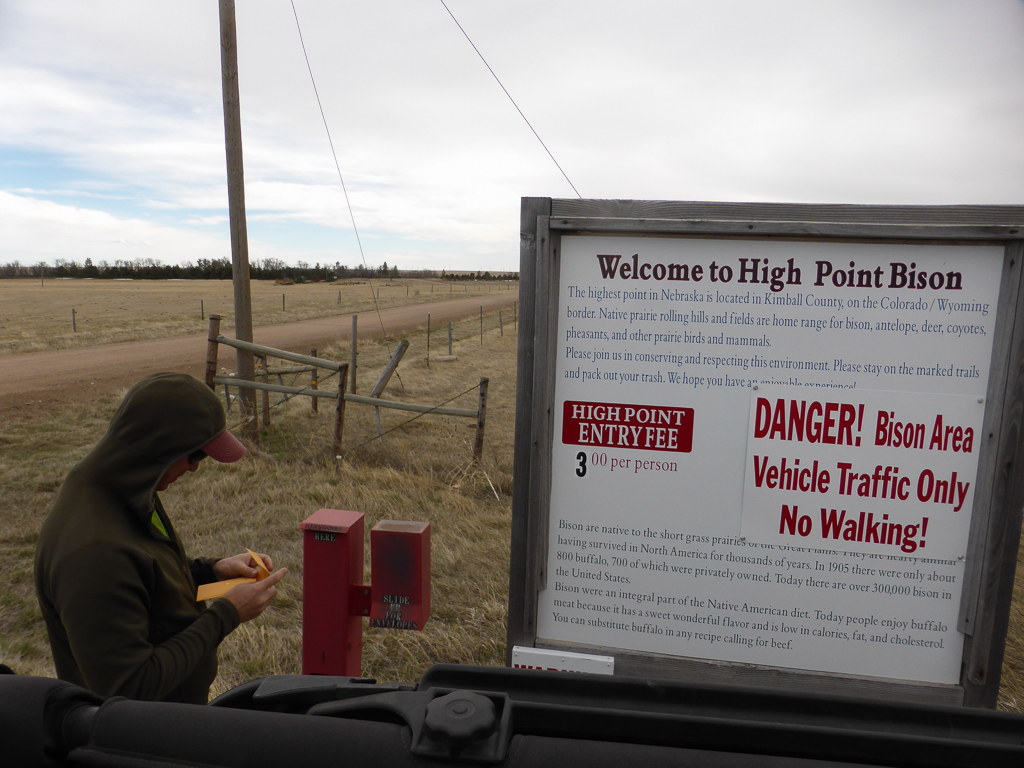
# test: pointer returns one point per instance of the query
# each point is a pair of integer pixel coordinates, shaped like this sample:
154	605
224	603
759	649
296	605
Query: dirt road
32	383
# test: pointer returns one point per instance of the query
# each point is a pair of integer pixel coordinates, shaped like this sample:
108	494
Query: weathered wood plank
521	622
362	399
390	369
319	362
784	219
232	381
983	655
339	413
481	421
763	229
211	349
1011	217
704	671
988	445
545	356
412	407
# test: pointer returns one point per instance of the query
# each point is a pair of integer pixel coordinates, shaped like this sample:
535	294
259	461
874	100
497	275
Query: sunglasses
196	456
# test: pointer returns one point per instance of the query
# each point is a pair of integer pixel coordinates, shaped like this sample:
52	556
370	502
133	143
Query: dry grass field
420	470
37	315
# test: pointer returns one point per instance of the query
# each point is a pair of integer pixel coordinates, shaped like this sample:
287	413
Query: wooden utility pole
236	208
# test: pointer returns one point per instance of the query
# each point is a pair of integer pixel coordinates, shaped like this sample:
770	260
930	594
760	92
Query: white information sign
661	342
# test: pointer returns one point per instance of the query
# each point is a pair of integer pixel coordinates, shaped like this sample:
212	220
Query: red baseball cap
224	448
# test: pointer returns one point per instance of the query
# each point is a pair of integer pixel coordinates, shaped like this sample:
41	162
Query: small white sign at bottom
561	661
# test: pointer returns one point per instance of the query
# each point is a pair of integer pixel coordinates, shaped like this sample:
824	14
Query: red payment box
332	591
400	563
334	598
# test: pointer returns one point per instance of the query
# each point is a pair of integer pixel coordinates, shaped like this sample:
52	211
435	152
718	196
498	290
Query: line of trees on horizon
220	269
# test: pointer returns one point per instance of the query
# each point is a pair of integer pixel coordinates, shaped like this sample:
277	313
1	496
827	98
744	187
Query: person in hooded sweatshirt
116	589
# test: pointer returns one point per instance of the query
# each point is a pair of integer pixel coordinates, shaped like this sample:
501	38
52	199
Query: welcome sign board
763	453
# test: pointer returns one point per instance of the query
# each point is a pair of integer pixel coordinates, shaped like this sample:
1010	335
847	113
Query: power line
328	130
341	178
511	99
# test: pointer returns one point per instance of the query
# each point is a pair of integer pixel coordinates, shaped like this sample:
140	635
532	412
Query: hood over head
162	419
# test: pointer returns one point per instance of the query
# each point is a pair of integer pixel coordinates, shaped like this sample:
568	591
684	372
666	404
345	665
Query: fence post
211	353
449	338
428	338
282	302
266	394
353	363
339	416
481	416
382	382
202	310
389	369
501	325
314	382
481	325
74	327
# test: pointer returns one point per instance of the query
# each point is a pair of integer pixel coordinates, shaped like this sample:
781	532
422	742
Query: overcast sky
112	138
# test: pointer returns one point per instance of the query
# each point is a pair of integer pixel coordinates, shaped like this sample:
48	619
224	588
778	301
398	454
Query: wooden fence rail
340	395
295	357
231	381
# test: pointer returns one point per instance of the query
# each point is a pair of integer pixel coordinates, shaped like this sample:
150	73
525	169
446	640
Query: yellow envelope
220	588
263	570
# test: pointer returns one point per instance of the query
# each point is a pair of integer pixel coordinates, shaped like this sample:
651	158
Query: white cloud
42	230
916	102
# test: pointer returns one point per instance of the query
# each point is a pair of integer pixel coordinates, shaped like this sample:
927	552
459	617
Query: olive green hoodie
117	595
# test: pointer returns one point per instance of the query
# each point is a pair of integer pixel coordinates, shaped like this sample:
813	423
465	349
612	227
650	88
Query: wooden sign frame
996	523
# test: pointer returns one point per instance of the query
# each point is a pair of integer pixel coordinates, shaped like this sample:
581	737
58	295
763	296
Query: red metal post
334	599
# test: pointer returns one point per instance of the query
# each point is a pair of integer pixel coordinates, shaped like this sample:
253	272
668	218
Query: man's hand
251	600
240	566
